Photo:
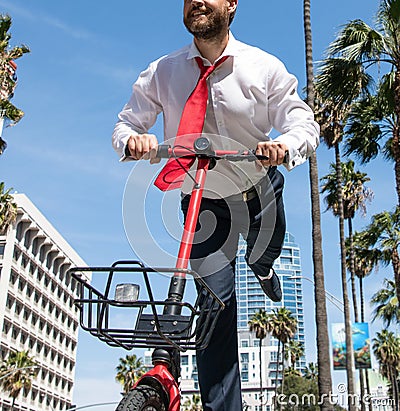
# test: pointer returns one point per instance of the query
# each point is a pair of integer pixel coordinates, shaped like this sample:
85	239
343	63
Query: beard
217	23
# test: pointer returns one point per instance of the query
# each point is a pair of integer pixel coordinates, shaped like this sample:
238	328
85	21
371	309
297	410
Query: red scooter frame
169	332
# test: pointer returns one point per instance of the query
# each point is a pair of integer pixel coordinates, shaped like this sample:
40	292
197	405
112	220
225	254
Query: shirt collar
232	49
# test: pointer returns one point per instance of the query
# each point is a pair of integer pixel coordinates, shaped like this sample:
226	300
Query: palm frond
358	42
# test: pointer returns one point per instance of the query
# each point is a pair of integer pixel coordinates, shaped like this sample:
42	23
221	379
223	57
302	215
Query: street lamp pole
329	296
74	408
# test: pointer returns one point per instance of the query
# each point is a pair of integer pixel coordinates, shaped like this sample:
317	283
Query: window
24	260
13	277
6	327
10	302
35	244
56	267
17	254
244	343
184	360
21	284
286	260
19	231
244	357
39	347
51	307
15	333
245	376
40	274
26	314
41	325
2	248
42	253
31	342
18	308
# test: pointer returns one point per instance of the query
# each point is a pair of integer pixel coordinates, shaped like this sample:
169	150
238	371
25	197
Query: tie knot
205	71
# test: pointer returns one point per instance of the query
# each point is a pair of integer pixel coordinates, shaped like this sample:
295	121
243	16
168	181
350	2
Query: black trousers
261	222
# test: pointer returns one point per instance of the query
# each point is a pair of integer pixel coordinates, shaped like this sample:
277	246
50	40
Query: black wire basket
145	323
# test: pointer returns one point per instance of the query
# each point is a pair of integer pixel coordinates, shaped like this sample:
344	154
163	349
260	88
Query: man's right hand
140	146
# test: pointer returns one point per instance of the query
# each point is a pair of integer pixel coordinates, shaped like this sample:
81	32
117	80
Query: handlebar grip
163	151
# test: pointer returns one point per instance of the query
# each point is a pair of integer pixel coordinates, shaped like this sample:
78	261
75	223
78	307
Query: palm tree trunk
277	373
261	389
283	374
396	270
362	302
352	275
396	388
321	319
394	384
362	320
354	298
347	319
396	133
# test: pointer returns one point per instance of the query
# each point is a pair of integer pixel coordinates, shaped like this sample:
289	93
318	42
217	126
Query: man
249	93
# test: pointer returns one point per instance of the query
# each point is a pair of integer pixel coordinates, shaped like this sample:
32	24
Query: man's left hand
274	150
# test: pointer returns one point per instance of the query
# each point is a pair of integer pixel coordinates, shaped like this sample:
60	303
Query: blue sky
84	58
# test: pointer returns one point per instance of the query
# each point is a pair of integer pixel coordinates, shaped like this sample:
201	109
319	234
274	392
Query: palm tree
355	196
338	84
282	326
295	350
358	43
193	404
259	324
311	372
382	239
386	347
7	80
321	319
16	373
361	262
387	306
8	209
129	370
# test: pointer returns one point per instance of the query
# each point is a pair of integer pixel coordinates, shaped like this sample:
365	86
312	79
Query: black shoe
271	285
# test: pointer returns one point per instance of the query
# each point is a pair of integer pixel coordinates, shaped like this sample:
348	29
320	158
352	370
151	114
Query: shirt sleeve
140	113
291	116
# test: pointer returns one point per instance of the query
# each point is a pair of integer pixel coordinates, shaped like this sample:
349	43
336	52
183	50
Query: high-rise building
250	299
37	312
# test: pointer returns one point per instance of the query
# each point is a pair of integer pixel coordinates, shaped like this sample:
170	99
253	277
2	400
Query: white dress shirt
249	94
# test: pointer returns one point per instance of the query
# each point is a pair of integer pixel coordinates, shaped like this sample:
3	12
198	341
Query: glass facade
251	298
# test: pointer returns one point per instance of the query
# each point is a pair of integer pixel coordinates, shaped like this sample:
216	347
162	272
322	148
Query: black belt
247	195
254	191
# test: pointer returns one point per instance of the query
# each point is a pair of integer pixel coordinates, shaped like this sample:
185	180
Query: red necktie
190	127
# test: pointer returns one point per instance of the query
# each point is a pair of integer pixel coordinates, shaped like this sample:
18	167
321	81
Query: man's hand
275	151
143	146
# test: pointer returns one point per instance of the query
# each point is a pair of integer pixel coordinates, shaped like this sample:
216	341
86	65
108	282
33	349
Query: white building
37	313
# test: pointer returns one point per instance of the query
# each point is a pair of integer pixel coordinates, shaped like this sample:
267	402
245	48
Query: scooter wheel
142	398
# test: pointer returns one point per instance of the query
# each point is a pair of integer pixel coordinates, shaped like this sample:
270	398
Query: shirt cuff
294	157
125	155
